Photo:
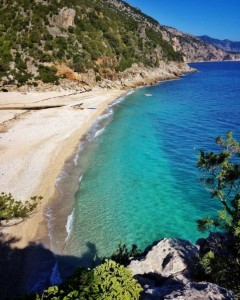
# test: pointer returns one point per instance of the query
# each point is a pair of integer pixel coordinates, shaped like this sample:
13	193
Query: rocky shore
131	78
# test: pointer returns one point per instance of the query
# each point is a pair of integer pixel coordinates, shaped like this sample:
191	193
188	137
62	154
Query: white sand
35	144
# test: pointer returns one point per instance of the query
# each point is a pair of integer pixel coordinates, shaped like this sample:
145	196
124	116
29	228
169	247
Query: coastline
39	131
42	259
36	143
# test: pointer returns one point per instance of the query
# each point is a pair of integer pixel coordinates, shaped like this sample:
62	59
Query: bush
123	256
114	281
11	209
47	74
108	281
22	77
124	64
98	78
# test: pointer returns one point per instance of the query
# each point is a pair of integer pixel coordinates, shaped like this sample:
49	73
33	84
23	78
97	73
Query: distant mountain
195	49
225	45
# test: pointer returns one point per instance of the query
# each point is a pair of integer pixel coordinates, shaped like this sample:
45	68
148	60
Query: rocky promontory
168	271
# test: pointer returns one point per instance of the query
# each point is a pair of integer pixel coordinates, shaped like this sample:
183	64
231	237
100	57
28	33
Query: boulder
168	257
190	291
167	272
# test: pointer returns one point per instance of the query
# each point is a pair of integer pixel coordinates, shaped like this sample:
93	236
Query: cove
139	178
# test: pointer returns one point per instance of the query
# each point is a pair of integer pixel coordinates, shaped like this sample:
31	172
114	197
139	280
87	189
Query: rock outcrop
167	272
131	78
63	20
169	257
138	76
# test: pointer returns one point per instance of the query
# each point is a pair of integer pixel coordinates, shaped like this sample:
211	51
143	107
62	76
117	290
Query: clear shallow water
140	182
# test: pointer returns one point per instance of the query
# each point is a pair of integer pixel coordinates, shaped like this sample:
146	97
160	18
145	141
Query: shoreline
41	130
54	153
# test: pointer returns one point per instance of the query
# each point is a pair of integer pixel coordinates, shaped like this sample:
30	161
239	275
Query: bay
139	177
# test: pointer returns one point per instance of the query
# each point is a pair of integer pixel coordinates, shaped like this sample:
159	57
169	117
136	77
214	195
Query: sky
216	18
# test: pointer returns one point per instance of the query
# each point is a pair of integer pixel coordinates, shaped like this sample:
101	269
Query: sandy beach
38	132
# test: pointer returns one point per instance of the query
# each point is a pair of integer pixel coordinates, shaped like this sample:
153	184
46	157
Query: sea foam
69	224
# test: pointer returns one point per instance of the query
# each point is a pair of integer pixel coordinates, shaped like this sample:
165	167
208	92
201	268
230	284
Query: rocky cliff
167	271
195	49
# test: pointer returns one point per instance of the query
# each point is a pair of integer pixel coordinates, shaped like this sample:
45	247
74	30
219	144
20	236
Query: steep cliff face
193	48
225	45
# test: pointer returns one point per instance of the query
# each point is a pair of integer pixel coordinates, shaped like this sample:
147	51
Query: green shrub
108	281
124	64
22	77
47	74
114	281
98	78
11	209
122	255
19	63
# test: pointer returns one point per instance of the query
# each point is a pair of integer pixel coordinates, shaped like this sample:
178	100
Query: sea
134	178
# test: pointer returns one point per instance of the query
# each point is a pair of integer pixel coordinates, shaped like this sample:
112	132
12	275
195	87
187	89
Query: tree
123	256
10	209
220	174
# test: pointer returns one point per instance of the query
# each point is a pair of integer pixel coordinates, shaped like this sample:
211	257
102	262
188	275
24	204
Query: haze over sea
140	182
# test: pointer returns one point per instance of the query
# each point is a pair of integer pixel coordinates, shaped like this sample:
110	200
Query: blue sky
216	18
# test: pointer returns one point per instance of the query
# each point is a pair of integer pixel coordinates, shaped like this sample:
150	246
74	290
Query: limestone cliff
195	49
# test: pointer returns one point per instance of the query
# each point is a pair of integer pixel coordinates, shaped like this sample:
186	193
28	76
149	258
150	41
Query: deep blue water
140	182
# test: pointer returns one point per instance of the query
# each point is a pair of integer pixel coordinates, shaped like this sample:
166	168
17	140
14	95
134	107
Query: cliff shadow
34	268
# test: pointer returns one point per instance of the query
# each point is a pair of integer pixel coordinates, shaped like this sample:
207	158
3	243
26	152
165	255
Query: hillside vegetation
104	36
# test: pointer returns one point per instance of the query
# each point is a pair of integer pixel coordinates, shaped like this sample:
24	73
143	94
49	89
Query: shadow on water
34	267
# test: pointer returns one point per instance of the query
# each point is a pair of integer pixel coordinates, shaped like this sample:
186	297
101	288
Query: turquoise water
140	182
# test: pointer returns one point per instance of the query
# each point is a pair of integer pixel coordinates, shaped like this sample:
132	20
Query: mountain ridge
195	49
226	44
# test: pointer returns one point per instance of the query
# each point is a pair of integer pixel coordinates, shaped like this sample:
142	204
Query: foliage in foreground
10	209
221	176
123	256
108	281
